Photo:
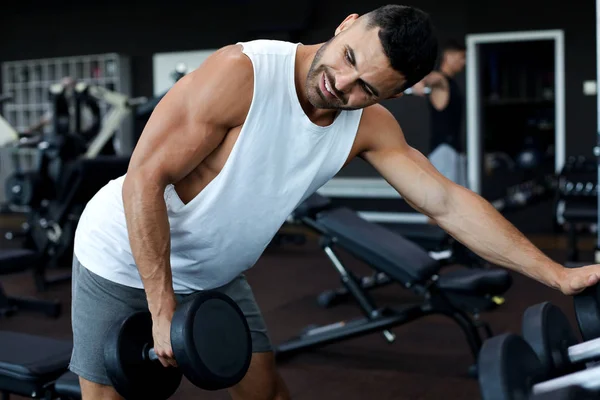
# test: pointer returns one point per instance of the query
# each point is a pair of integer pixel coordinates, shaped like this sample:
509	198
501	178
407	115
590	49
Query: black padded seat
383	249
67	386
28	363
430	237
482	282
16	260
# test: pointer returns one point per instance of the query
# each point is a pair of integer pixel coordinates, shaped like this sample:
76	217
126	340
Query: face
351	70
456	60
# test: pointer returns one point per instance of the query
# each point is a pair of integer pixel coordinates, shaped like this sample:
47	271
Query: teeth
327	87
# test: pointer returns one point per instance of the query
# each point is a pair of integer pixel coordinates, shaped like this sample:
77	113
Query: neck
304	58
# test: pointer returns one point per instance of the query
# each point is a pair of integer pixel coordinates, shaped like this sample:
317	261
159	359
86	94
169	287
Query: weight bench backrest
381	248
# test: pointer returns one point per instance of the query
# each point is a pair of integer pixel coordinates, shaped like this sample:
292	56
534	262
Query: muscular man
227	155
446	104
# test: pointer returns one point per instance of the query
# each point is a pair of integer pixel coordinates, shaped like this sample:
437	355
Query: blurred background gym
79	80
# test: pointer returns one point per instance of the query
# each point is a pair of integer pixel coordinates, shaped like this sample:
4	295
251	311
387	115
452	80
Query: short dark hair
408	39
453	45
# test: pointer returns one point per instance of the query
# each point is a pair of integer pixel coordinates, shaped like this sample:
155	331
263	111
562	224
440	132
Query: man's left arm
466	216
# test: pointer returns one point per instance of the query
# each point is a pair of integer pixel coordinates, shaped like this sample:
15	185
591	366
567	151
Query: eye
366	89
347	56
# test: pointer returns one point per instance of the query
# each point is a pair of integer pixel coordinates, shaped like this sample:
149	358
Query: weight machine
51	222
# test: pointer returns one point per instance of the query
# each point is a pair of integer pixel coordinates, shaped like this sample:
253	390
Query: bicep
193	118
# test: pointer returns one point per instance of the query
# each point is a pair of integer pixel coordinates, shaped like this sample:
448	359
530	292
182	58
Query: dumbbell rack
29	80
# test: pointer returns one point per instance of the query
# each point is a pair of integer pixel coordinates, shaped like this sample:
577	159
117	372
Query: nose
345	80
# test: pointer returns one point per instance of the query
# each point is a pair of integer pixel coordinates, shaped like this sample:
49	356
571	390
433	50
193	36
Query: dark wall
579	25
33	29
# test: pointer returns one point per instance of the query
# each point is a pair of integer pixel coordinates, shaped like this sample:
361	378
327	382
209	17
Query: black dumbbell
211	344
509	369
548	331
566	393
587	311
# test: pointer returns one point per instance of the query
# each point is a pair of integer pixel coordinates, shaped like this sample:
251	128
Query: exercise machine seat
29	362
482	282
67	386
384	250
16	260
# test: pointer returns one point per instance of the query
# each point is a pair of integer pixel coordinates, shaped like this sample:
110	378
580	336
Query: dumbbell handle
410	90
585	351
587	379
149	354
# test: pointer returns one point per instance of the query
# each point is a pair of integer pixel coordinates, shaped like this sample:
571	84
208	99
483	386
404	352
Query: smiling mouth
326	89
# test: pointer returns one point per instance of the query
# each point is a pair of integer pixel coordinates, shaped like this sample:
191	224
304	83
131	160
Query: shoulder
220	89
379	128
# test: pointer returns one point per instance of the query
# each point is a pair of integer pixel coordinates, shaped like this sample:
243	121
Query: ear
347	23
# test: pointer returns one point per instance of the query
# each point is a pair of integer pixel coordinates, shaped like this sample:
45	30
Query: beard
313	91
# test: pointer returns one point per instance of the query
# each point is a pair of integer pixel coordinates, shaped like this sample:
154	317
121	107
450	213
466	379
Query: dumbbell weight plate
587	311
214	346
508	368
131	375
549	333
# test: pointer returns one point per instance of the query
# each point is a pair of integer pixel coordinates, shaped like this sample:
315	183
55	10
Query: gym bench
460	295
18	260
37	367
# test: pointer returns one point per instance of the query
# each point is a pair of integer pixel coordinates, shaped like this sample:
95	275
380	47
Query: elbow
444	202
140	185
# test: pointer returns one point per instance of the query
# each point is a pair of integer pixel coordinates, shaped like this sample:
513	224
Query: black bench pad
479	282
384	250
29	362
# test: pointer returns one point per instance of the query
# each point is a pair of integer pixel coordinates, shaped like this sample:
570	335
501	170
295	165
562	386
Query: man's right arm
185	127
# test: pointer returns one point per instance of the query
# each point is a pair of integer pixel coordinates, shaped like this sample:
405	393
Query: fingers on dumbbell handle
150	354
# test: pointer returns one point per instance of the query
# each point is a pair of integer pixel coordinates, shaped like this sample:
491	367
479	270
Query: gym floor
429	359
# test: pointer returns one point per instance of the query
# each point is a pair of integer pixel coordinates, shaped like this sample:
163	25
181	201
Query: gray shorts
97	303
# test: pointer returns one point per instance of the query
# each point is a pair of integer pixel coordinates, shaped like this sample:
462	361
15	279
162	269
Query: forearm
479	226
149	237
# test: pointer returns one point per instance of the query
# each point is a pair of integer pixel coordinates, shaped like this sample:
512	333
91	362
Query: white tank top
279	159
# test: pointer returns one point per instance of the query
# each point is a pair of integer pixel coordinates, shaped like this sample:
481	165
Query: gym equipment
587	311
566	393
211	343
29	364
576	200
8	134
17	260
51	230
410	91
509	370
548	332
450	294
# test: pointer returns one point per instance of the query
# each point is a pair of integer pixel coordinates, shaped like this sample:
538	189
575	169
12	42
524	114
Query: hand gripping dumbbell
211	344
509	369
547	330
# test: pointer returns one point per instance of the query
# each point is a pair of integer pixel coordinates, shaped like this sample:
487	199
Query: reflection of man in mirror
445	101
